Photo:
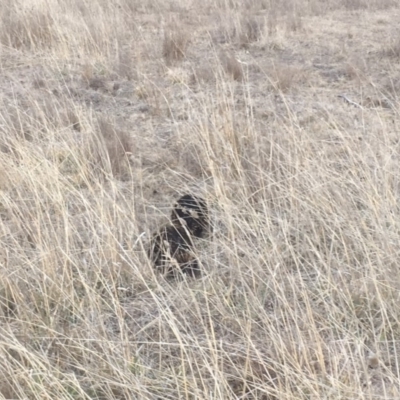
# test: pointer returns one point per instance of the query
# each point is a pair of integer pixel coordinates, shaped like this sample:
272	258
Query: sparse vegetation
283	116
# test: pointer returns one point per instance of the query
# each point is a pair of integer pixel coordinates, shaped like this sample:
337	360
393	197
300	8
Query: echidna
171	247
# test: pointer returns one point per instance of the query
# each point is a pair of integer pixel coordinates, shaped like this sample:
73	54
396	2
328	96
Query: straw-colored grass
284	115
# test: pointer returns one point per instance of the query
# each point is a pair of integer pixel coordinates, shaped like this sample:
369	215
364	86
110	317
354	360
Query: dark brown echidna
171	248
191	212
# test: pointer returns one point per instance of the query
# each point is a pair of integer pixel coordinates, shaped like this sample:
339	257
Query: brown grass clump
232	66
175	43
251	30
118	146
284	77
202	74
393	48
294	21
30	27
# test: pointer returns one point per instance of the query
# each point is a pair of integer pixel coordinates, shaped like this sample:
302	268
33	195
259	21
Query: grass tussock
175	44
283	78
278	116
27	27
252	30
232	66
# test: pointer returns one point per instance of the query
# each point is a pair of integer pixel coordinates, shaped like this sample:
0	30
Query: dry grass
176	41
232	66
279	114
